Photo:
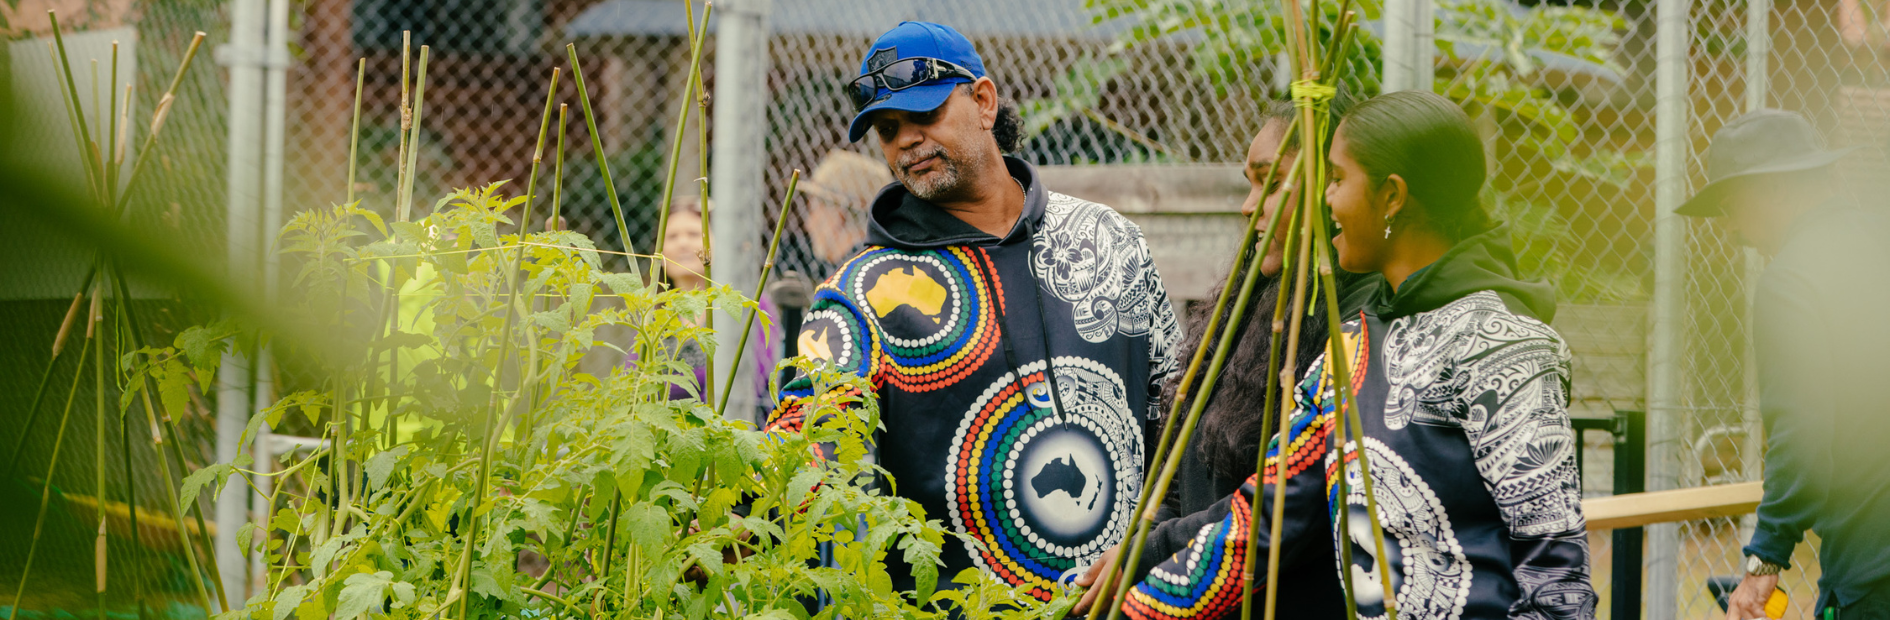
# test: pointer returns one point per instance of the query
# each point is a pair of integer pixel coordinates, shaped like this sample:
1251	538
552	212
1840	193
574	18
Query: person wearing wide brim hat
1757	157
1818	338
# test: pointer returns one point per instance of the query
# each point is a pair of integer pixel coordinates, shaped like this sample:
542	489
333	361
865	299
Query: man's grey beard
946	179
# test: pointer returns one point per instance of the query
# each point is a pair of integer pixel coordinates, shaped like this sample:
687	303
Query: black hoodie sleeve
1203	579
1524	449
823	329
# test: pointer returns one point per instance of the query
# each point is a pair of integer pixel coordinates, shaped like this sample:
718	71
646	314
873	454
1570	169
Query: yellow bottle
1776	606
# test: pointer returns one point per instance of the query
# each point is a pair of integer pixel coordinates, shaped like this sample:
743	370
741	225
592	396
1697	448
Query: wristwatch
1758	566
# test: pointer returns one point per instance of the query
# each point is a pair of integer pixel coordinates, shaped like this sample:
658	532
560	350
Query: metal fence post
1397	52
1409	51
735	179
1664	370
243	57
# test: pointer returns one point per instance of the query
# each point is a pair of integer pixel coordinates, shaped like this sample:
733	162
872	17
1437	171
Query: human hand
1088	580
731	554
1747	602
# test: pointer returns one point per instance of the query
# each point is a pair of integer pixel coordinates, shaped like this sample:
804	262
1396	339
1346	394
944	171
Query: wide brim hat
1761	142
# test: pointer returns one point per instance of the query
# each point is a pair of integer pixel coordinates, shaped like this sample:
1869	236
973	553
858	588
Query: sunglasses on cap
901	75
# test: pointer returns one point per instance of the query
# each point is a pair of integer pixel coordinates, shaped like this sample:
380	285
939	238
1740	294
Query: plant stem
404	209
597	148
354	132
131	499
45	493
675	150
550	597
767	268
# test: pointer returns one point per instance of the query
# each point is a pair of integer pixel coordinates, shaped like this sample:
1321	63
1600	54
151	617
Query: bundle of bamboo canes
1308	247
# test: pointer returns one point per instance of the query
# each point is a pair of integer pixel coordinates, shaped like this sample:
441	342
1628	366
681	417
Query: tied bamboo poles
102	164
1245	256
1311	93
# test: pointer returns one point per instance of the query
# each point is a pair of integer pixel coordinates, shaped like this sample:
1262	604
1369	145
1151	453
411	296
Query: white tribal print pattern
1501	378
1091	257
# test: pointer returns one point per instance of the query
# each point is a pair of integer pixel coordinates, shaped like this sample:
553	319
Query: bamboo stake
1349	424
45	493
406	123
597	149
157	123
675	150
45	377
111	133
702	165
100	545
97	110
767	268
1275	384
1349	407
123	142
72	117
164	466
86	145
1201	397
131	492
354	132
404	210
1184	386
505	341
1289	372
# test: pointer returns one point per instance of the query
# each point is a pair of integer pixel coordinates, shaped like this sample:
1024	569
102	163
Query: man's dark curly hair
1009	128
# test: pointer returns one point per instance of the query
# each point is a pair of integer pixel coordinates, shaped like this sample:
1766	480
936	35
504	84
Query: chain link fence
1159	94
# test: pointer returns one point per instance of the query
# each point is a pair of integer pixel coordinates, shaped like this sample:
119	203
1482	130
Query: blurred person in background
1016	339
833	224
1226	443
1820	337
682	250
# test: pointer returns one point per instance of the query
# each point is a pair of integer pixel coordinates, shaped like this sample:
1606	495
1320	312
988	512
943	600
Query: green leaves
587	471
214	475
364	592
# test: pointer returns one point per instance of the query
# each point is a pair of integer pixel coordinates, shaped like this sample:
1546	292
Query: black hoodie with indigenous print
1462	393
1039	471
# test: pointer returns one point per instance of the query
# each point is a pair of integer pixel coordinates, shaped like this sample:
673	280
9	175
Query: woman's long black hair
1229	437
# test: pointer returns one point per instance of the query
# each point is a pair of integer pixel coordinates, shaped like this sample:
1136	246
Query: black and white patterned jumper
1462	399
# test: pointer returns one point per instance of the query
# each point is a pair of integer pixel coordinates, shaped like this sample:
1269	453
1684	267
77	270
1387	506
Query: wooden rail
1638	509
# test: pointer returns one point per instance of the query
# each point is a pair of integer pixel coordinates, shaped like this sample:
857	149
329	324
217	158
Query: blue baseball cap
915	40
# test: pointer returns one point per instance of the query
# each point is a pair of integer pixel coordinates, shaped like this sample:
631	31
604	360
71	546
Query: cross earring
1387	227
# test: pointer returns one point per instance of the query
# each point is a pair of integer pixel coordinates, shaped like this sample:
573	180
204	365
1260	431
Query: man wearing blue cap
1016	338
1820	337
